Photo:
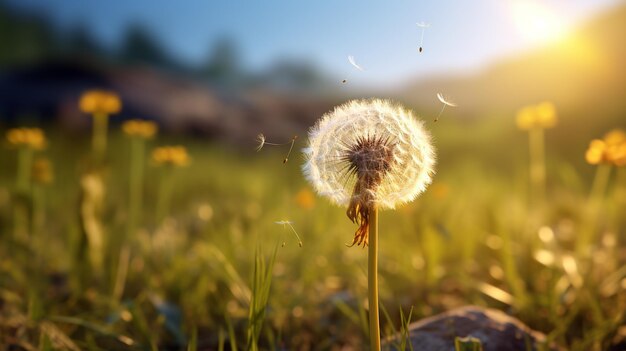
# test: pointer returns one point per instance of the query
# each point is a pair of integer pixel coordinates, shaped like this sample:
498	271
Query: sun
536	23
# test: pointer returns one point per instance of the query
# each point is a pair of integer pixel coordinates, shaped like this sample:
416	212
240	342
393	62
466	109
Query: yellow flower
139	128
611	149
596	153
546	115
100	102
33	138
537	116
305	199
525	118
42	171
171	155
615	137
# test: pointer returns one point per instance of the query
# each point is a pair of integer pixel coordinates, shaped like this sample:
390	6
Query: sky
464	36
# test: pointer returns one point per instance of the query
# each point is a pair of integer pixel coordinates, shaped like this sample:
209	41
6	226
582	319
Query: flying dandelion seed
344	81
286	223
293	141
445	103
262	141
353	63
423	26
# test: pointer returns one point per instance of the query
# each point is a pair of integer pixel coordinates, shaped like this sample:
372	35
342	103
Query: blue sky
382	35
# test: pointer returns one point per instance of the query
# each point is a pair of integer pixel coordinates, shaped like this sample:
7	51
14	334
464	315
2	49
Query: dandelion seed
445	103
423	26
293	141
344	81
261	141
286	223
353	63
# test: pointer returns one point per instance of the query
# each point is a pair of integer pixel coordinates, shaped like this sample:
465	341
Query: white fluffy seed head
407	171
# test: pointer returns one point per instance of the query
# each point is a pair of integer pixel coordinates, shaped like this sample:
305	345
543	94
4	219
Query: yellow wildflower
611	149
139	128
171	155
596	153
33	138
42	171
305	199
537	116
100	102
546	115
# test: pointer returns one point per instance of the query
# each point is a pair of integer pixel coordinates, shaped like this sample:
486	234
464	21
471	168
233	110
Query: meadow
208	268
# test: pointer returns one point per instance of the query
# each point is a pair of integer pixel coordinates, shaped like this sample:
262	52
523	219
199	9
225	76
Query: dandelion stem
537	164
372	279
136	185
22	189
600	182
165	192
99	141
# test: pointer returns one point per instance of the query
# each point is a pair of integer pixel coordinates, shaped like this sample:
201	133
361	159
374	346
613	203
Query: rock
496	331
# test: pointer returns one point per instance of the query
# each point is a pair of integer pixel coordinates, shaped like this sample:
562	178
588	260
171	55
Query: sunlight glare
537	23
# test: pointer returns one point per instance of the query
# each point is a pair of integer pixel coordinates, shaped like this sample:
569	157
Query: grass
200	279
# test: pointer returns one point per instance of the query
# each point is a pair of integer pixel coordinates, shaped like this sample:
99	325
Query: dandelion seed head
369	151
445	101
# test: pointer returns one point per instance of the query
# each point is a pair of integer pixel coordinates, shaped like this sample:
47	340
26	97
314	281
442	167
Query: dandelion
139	131
169	157
286	223
445	103
423	26
369	155
27	141
42	175
100	104
139	128
604	153
261	141
535	119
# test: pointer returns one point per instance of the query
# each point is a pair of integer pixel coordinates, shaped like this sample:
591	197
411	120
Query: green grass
200	279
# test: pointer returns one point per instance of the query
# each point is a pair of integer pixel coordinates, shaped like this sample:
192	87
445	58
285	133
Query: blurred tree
294	75
223	66
24	38
140	47
81	43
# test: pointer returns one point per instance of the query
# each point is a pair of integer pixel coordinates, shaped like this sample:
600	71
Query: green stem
135	191
99	141
372	279
537	164
24	166
165	190
22	189
600	183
